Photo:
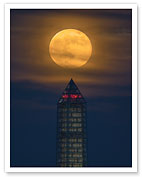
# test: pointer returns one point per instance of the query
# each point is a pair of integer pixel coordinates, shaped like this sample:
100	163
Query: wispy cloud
108	30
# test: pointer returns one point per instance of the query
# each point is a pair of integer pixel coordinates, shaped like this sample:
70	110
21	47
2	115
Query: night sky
37	83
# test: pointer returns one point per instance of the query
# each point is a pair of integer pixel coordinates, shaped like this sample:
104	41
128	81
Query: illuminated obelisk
71	128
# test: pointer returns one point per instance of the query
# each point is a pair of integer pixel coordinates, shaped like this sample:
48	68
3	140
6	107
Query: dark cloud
109	13
33	127
64	55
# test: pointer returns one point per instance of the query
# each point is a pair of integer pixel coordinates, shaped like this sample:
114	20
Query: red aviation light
73	96
65	96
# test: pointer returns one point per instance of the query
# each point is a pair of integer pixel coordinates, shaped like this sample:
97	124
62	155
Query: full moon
70	48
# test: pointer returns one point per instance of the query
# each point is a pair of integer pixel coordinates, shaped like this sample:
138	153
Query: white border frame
7	87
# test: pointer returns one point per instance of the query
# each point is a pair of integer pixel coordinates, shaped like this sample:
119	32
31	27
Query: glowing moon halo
70	48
